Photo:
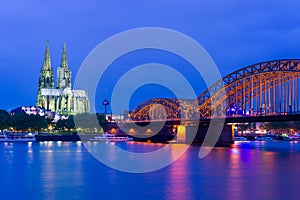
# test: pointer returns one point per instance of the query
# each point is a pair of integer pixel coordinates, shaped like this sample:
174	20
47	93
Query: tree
37	122
244	127
63	124
24	122
296	125
19	121
102	121
4	119
279	126
60	125
89	121
69	123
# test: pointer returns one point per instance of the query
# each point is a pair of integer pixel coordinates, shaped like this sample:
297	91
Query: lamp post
105	103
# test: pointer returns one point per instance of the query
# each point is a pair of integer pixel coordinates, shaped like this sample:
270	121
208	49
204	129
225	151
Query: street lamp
105	103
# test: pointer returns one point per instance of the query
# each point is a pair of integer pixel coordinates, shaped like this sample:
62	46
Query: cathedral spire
64	61
63	72
46	80
47	63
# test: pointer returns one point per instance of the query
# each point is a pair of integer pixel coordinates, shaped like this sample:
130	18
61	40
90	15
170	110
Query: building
61	98
37	110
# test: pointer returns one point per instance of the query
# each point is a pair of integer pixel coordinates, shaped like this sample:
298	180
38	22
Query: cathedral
60	97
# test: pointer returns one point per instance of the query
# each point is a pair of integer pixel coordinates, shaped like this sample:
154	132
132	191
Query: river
66	170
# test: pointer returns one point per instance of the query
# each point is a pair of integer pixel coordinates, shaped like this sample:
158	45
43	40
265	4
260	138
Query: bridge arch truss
266	88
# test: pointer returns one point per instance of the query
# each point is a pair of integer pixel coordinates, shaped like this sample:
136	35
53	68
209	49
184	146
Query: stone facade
61	99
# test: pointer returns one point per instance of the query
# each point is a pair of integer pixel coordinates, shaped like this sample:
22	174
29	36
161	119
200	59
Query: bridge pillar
197	134
191	133
186	133
181	134
227	135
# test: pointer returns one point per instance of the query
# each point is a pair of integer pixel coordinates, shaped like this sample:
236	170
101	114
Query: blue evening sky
235	33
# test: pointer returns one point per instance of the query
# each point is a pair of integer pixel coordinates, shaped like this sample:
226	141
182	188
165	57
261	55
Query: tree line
24	122
277	127
281	126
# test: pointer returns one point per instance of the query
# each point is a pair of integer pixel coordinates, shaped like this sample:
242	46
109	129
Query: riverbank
70	137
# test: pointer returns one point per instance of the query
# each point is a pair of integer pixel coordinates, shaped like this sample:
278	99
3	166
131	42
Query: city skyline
235	34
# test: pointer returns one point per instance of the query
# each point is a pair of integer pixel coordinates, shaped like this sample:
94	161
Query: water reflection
8	152
179	183
61	169
30	156
124	156
260	171
65	170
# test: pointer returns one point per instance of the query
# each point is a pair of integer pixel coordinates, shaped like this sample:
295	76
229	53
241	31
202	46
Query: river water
66	170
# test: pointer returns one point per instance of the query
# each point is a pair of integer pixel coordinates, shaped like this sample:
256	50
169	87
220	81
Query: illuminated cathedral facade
60	97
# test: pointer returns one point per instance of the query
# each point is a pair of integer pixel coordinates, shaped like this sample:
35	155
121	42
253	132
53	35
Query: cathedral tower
61	99
63	72
46	79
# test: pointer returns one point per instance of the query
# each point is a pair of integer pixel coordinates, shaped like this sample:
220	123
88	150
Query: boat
251	137
265	138
240	138
284	137
293	138
111	138
17	138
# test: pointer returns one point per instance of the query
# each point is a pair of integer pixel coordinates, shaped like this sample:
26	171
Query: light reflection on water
65	170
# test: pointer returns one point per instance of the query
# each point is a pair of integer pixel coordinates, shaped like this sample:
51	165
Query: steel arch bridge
161	108
266	88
